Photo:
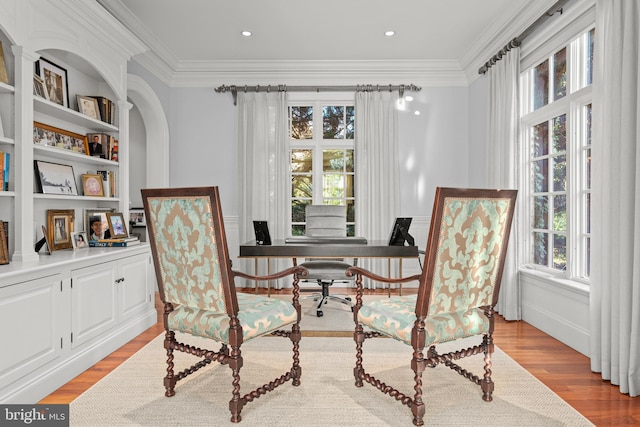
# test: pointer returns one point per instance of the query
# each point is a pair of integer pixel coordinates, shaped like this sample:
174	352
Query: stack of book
4	171
107	109
107	243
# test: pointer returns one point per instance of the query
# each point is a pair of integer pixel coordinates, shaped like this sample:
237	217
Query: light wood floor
562	369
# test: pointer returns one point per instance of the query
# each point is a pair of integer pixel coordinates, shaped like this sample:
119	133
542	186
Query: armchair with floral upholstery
196	284
457	292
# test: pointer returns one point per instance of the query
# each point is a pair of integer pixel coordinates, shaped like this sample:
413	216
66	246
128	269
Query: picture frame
92	185
52	136
45	234
88	106
98	145
98	215
137	218
4	250
55	178
55	81
38	87
117	226
79	239
60	228
4	77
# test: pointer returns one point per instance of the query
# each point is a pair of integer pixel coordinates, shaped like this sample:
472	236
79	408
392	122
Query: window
322	159
556	125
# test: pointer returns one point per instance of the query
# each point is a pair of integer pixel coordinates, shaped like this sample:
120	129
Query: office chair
196	283
326	221
457	292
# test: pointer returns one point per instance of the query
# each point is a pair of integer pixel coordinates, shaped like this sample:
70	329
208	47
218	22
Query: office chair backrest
189	248
326	220
466	248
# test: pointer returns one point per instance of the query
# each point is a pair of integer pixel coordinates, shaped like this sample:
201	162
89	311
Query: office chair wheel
319	313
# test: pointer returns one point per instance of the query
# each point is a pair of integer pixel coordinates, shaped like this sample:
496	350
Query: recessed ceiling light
389	33
246	33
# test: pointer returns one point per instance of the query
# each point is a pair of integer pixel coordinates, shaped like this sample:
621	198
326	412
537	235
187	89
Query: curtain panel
376	166
263	165
615	253
502	158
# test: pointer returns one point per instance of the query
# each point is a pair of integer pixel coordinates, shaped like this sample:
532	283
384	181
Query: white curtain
615	253
502	158
263	163
376	167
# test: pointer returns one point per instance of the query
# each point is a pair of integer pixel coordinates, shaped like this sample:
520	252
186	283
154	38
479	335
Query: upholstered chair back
326	220
192	259
465	251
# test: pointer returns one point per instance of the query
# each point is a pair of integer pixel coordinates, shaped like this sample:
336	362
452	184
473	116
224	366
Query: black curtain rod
557	7
284	88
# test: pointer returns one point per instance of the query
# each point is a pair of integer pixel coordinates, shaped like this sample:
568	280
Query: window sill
556	282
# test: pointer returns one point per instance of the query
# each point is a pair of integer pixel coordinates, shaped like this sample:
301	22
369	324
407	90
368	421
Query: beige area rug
133	394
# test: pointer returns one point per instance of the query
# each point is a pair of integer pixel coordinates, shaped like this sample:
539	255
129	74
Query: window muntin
556	124
322	164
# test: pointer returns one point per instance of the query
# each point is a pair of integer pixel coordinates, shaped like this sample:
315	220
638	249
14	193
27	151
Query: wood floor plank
565	371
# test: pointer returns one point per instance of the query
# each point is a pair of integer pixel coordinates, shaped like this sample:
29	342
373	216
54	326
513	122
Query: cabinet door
133	286
32	321
93	302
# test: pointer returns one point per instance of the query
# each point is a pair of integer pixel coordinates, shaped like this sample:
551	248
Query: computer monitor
262	233
400	233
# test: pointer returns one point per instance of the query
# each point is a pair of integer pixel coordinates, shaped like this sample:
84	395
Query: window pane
587	210
540	212
349	190
351	114
588	258
333	186
560	213
333	122
540	244
560	252
560	173
560	133
351	211
590	42
297	230
301	122
332	160
540	176
541	139
541	85
349	160
560	74
297	210
301	161
301	186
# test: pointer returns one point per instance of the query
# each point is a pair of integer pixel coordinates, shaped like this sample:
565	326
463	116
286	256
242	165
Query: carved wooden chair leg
296	370
487	384
170	380
235	404
358	371
417	407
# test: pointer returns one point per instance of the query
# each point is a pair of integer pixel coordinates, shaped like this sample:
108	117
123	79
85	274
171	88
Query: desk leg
255	269
269	274
389	270
400	273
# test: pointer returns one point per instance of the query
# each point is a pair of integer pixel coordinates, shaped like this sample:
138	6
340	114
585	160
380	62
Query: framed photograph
96	224
136	217
80	240
4	77
45	234
117	226
98	145
55	137
88	106
55	81
38	87
60	227
92	185
4	249
54	178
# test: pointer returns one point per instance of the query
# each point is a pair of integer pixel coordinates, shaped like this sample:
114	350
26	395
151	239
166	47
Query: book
4	171
122	239
100	244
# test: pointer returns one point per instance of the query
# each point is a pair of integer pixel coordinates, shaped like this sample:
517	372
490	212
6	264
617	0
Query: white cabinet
68	313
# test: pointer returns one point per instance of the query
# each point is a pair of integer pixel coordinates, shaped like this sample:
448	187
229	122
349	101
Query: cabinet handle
120	280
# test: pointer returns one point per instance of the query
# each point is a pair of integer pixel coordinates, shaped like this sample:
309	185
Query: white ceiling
203	36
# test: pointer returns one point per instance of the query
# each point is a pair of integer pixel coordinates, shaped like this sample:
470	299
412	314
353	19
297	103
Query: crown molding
497	35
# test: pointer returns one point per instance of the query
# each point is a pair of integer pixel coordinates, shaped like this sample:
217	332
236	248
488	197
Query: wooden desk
330	249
